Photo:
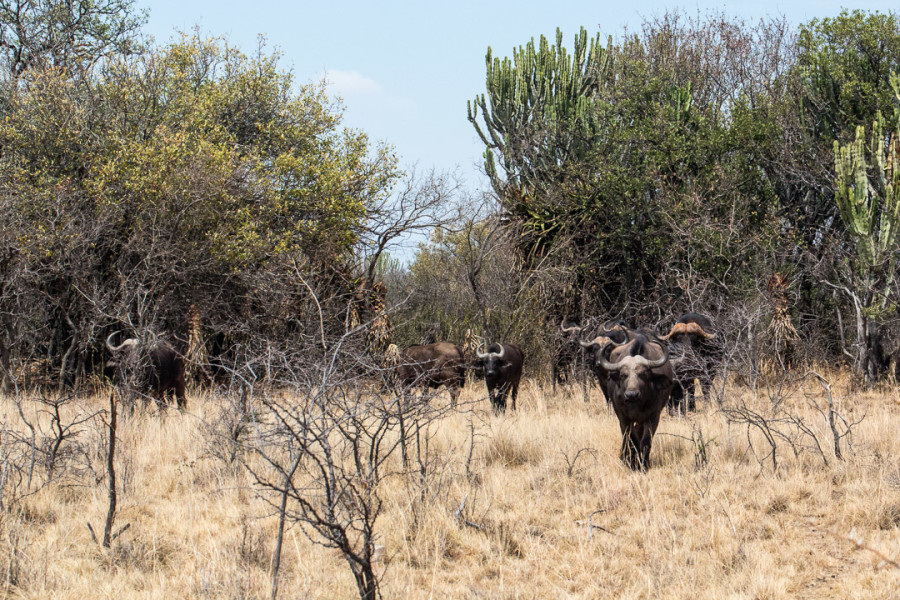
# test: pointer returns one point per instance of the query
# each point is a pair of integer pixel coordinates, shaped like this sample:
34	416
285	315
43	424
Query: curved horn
600	340
568	329
676	328
502	351
653	364
129	342
690	329
109	342
482	356
610	366
704	333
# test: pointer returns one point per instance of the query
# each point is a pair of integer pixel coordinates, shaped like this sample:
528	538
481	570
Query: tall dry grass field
534	504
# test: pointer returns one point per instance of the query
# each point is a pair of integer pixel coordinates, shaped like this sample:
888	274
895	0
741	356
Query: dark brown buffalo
160	369
431	366
692	338
565	352
502	365
640	381
884	352
597	350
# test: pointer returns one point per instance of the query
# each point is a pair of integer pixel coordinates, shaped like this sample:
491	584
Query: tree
634	167
867	193
838	77
66	34
845	64
190	174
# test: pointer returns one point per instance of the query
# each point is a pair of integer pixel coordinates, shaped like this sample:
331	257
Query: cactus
868	198
869	202
543	86
682	100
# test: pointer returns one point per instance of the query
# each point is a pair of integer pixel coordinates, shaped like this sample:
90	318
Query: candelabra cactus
869	205
868	198
542	87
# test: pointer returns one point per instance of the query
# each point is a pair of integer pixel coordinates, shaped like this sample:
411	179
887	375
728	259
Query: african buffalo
160	369
692	337
598	349
502	364
431	366
884	352
565	352
640	381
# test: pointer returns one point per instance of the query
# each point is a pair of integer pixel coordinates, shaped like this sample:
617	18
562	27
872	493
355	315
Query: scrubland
532	504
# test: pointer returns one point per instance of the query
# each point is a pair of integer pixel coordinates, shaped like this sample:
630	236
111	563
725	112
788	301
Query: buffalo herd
638	371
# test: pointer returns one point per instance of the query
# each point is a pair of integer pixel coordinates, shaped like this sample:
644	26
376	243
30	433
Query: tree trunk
5	367
861	354
111	469
366	583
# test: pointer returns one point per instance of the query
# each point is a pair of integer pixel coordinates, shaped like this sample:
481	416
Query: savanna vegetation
197	194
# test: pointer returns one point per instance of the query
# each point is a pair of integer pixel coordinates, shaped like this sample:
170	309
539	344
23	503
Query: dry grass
550	512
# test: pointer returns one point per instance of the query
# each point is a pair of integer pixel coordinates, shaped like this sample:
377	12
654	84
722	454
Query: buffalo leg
676	398
646	441
501	398
515	394
180	395
493	396
706	385
628	453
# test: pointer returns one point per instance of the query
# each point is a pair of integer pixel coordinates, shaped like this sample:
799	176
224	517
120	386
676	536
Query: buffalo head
492	361
631	372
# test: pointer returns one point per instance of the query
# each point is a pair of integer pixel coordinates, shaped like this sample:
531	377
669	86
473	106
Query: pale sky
406	69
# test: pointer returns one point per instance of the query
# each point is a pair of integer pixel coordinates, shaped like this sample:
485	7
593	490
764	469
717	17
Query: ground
534	504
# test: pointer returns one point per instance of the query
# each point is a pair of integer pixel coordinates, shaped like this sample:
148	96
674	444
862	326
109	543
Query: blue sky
406	69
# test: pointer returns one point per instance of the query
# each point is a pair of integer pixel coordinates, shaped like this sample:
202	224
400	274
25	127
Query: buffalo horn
705	335
600	340
689	328
484	355
653	364
675	329
127	342
109	343
610	366
650	364
568	329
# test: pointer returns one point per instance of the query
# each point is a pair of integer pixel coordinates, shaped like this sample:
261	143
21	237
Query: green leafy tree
191	174
838	77
845	64
631	176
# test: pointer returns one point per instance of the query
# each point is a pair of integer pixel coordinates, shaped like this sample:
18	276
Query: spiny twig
591	526
862	545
